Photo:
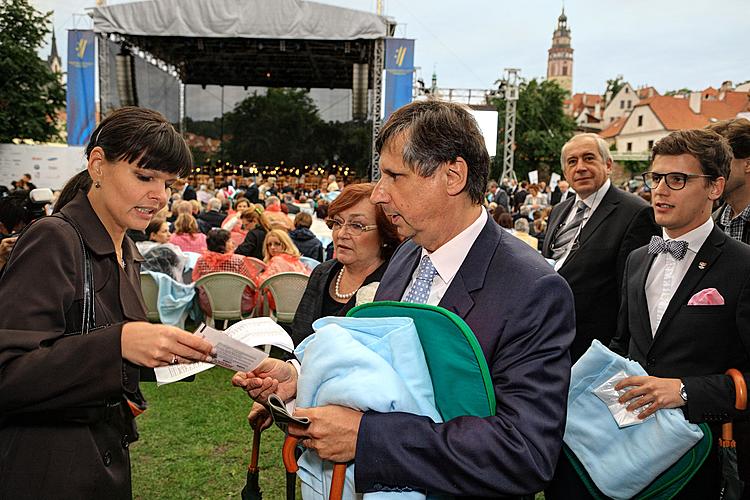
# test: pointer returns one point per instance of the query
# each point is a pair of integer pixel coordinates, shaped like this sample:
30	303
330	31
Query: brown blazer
64	426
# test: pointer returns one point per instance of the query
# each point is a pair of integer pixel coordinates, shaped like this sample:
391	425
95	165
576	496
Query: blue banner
399	70
80	92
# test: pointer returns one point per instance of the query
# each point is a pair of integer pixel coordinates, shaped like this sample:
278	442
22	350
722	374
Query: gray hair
214	204
272	200
522	225
603	147
437	132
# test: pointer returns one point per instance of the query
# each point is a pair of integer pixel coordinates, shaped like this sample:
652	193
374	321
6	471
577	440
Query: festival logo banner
399	69
80	92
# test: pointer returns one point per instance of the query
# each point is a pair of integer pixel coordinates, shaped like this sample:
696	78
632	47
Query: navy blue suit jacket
522	313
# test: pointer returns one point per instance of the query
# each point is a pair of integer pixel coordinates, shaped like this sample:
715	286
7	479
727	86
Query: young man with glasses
685	311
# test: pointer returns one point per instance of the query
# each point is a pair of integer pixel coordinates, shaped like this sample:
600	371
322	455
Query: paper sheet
234	348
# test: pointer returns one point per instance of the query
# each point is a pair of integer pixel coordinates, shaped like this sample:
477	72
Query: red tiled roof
646	92
614	128
710	92
675	112
583	101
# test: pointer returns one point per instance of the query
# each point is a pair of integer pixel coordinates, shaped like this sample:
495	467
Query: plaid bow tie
677	248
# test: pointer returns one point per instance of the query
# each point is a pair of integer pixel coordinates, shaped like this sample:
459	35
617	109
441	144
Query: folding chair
224	291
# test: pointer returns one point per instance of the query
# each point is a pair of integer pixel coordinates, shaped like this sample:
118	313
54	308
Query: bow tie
677	248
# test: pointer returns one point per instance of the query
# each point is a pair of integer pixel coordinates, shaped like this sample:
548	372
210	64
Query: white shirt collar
448	258
696	237
593	200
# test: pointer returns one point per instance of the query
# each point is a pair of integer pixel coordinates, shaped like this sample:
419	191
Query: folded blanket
175	300
366	364
620	461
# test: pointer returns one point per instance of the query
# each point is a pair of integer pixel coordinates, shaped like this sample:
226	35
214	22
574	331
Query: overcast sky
668	44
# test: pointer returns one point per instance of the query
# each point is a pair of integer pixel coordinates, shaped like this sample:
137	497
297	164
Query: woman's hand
272	376
153	345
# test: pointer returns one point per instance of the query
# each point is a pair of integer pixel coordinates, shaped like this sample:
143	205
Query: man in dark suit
186	190
733	217
252	191
520	311
561	193
685	314
590	236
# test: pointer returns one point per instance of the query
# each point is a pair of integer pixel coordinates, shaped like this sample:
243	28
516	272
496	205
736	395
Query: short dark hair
216	240
303	219
13	210
737	132
708	147
353	194
143	136
154	226
437	132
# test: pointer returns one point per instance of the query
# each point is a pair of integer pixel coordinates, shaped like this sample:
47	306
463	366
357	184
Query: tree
30	93
275	127
614	85
541	129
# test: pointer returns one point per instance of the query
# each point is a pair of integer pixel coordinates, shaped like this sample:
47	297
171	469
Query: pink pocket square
707	297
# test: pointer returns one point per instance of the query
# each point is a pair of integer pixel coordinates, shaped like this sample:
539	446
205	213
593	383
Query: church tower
560	59
53	61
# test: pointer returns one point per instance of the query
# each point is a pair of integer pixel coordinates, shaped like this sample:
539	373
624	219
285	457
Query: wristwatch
683	392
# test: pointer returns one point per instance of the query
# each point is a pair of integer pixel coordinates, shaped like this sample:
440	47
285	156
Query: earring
97	184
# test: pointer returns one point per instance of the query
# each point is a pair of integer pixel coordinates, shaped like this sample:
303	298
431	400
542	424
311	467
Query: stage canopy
266	43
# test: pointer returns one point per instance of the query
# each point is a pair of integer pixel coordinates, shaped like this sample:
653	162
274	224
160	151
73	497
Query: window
629	147
627	90
622	104
650	145
630	105
565	70
640	121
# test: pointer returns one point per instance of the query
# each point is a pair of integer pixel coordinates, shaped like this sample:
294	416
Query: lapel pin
702	265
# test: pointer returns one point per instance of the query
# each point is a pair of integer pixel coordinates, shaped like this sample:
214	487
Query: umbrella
731	484
288	453
251	491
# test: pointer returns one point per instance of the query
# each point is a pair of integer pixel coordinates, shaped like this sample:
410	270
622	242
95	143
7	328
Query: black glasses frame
679	179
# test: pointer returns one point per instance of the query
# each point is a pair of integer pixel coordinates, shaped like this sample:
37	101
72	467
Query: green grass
195	442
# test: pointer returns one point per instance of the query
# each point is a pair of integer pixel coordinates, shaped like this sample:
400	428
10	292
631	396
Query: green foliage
636	167
615	84
681	91
284	125
206	128
541	129
195	442
30	93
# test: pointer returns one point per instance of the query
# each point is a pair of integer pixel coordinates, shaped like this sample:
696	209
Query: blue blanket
621	462
175	299
366	364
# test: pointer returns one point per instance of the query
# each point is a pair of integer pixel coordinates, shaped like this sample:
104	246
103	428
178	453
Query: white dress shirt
448	259
666	272
592	201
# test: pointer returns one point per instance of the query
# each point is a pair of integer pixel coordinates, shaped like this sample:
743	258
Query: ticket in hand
231	353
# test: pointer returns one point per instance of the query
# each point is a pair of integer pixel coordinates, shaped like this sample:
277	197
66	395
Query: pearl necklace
336	288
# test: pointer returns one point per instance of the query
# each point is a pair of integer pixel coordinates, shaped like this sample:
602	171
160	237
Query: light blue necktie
420	289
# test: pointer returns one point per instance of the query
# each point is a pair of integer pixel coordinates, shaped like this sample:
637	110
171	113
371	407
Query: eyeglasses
354	227
675	180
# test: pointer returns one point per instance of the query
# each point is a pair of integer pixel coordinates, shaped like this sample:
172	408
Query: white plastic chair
150	292
224	291
309	262
287	290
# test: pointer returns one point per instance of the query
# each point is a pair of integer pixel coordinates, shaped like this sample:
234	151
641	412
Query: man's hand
259	418
5	247
332	432
655	392
272	376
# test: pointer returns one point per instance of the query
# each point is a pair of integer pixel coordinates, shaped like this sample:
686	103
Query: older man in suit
685	314
519	309
590	235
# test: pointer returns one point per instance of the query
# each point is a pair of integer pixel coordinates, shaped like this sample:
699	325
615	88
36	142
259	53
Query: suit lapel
702	263
607	205
473	271
641	303
399	272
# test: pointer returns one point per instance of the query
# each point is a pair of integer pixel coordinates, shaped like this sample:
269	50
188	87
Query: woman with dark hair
257	227
364	239
73	328
220	257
